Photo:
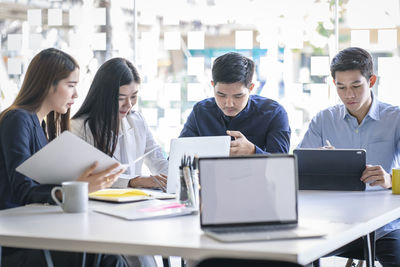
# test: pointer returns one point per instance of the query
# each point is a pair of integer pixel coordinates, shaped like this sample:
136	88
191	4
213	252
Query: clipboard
64	159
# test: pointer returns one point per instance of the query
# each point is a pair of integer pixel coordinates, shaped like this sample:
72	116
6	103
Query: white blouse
134	140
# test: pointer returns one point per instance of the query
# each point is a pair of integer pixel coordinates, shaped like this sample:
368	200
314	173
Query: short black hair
231	68
353	58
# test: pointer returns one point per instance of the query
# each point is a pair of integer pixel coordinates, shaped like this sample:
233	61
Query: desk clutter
148	204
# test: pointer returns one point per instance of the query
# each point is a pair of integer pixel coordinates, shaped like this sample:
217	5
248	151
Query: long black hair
101	108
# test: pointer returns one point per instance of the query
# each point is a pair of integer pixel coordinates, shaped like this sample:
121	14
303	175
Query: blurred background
173	43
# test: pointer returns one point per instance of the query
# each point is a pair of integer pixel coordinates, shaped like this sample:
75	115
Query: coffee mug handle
53	195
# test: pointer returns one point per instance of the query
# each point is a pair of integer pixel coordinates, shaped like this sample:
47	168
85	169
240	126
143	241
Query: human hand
328	146
100	180
152	181
240	146
376	175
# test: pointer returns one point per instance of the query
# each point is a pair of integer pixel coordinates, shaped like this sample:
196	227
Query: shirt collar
246	108
35	119
373	111
244	111
125	126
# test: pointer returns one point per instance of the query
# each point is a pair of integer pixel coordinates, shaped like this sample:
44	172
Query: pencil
328	143
158	182
145	154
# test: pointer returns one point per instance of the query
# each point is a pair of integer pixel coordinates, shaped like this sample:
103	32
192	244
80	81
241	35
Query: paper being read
64	159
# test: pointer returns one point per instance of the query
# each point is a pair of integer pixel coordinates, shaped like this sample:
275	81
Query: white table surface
344	216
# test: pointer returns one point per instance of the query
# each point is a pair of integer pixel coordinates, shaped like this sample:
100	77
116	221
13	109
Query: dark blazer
20	137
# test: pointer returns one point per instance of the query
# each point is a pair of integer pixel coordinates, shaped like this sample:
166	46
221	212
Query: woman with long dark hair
107	121
40	113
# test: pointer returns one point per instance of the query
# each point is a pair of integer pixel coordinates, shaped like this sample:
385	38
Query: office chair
369	249
217	262
368	257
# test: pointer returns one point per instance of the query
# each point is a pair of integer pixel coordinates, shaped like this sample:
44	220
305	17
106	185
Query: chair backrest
214	262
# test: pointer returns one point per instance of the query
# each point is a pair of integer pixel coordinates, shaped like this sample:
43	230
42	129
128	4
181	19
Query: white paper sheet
320	65
34	17
74	156
172	40
244	39
14	66
54	17
14	42
195	40
195	66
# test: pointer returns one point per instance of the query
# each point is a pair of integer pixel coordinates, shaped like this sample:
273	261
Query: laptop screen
248	189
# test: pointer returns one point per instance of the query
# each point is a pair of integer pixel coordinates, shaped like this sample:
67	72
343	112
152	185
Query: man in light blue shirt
362	122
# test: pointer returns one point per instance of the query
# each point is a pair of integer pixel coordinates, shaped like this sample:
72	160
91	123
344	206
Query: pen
195	163
158	182
144	155
328	143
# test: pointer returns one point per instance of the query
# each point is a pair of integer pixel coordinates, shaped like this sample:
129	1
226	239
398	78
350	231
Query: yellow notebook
120	195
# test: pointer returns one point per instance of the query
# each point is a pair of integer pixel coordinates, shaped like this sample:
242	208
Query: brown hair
45	70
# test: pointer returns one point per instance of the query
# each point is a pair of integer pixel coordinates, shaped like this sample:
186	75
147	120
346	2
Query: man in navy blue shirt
256	124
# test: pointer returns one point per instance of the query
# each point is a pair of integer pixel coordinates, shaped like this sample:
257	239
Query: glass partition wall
174	43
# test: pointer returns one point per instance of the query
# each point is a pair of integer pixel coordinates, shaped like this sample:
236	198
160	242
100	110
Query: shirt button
357	131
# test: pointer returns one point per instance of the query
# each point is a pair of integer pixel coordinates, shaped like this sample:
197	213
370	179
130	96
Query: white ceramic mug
74	196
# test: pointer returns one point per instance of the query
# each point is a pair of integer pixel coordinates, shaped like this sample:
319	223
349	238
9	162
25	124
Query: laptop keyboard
260	233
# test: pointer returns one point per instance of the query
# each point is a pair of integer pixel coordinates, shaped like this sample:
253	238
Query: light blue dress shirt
378	134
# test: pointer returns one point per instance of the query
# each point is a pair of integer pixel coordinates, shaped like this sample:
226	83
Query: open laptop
250	198
331	169
204	146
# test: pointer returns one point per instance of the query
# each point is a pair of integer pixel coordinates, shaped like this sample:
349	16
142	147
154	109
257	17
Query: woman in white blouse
106	120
